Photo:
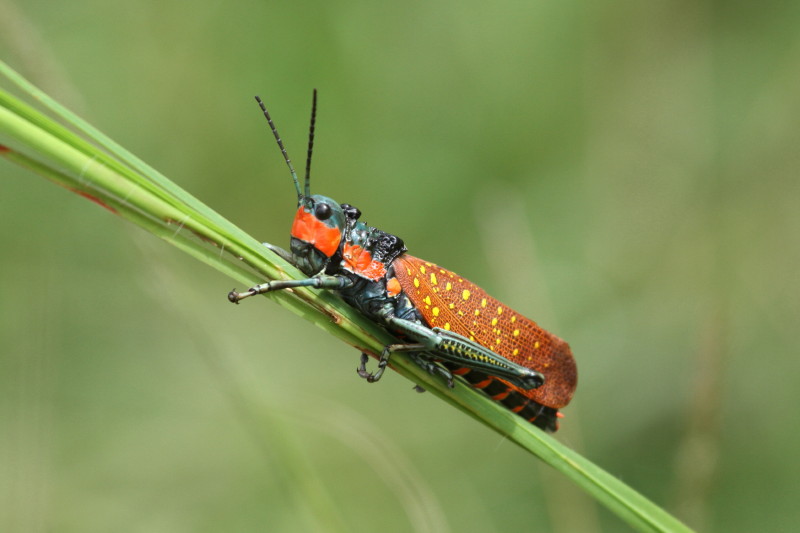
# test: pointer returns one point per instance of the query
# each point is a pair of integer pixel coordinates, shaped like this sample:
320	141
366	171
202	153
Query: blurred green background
625	173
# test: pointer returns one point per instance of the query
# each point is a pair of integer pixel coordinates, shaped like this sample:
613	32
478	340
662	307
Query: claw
237	297
233	296
361	370
364	373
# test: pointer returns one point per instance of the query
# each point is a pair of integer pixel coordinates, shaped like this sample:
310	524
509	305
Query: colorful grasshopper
449	325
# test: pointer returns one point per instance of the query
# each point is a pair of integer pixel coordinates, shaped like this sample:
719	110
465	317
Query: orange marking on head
310	229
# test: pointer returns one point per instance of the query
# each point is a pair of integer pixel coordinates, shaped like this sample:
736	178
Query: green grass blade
114	178
118	151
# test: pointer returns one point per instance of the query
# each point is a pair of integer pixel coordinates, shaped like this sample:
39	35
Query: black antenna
311	142
283	150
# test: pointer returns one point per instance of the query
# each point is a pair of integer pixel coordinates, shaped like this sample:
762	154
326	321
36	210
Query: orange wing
448	301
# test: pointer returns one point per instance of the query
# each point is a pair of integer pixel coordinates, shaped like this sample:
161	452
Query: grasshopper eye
322	211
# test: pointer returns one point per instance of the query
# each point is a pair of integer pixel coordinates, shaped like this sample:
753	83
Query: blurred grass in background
625	174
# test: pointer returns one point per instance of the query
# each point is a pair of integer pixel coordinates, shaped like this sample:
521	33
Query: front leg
285	255
317	282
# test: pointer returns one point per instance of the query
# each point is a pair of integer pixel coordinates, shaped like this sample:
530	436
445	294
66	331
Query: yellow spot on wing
483	302
494	321
427	300
499	310
448	286
447	326
515	352
465	294
416	282
433	278
422	269
477	312
514	318
516	333
435	311
536	345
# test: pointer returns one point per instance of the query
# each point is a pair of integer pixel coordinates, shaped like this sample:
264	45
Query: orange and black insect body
447	324
445	299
